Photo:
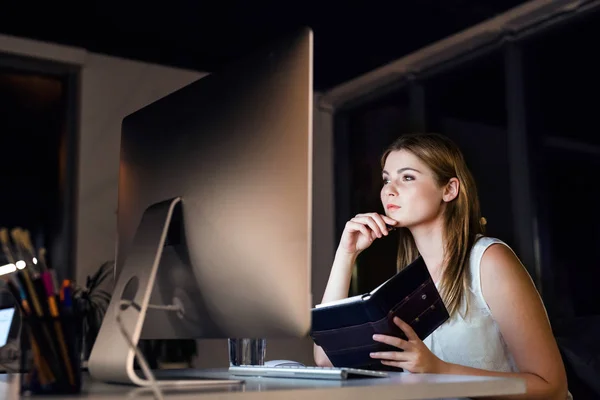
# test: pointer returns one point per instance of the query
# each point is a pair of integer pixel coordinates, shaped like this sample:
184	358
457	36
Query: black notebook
345	328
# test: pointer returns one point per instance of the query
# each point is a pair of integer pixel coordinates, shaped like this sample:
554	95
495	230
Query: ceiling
349	39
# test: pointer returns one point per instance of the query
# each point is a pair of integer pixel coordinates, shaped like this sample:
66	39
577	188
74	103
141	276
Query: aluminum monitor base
112	358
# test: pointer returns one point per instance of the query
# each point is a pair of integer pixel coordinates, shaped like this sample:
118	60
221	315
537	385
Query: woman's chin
394	215
399	223
403	222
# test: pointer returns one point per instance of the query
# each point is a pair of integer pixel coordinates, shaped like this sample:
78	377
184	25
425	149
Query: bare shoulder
500	262
507	286
517	308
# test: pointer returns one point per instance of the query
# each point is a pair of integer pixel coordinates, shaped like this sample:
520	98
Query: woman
498	325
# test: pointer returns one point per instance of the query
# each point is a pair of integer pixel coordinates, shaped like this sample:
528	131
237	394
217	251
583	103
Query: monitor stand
112	357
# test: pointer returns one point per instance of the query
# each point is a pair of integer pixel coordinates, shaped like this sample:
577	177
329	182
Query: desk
399	386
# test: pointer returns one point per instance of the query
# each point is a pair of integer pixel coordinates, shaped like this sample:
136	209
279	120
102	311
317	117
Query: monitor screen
6	320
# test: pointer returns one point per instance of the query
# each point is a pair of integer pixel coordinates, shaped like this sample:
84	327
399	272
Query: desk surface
398	386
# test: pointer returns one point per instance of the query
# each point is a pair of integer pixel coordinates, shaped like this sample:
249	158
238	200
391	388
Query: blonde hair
462	216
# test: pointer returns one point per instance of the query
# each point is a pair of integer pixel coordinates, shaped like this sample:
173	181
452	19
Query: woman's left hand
415	357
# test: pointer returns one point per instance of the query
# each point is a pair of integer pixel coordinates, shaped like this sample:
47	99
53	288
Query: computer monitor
10	332
6	324
214	209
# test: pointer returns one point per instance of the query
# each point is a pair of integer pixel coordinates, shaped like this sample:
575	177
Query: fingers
375	228
391	356
380	223
376	222
407	329
389	220
358	227
392	341
397	364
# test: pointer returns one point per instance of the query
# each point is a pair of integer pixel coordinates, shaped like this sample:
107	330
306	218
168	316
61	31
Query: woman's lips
392	207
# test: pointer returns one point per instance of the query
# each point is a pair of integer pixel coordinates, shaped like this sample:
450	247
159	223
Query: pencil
47	280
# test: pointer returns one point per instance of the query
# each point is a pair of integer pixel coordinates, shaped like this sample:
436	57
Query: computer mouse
283	363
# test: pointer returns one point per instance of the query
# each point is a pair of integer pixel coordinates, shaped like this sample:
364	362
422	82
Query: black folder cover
345	329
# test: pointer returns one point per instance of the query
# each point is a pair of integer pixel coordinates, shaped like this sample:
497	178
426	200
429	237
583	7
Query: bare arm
523	322
338	284
337	288
358	235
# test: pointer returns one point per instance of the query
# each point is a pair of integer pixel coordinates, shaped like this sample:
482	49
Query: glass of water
247	351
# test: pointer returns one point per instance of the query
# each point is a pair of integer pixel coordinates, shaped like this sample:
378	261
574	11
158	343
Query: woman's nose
390	190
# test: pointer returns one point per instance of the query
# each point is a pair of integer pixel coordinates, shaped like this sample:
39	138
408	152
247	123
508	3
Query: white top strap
479	248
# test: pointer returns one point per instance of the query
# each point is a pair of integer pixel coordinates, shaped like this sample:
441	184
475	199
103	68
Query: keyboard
297	371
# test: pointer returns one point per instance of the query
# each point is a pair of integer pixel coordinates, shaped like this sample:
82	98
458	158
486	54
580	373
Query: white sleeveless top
486	348
473	339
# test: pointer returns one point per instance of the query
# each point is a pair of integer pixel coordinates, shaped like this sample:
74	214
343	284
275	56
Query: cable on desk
138	354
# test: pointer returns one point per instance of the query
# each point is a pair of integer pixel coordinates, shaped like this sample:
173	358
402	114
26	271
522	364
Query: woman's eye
408	178
386	181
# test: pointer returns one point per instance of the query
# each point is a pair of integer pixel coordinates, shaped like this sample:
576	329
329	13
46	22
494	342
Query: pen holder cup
51	354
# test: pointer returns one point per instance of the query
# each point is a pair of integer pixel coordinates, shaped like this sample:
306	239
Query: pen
47	281
43	368
35	288
18	297
45	339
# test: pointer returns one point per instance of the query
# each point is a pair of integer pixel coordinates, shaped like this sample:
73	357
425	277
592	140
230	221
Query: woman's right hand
362	230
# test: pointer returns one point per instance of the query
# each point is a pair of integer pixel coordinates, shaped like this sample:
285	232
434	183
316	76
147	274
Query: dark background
351	38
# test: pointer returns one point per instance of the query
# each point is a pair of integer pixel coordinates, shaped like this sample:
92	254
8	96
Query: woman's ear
451	190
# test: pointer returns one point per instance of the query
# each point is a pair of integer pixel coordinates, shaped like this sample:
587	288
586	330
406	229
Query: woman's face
410	193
